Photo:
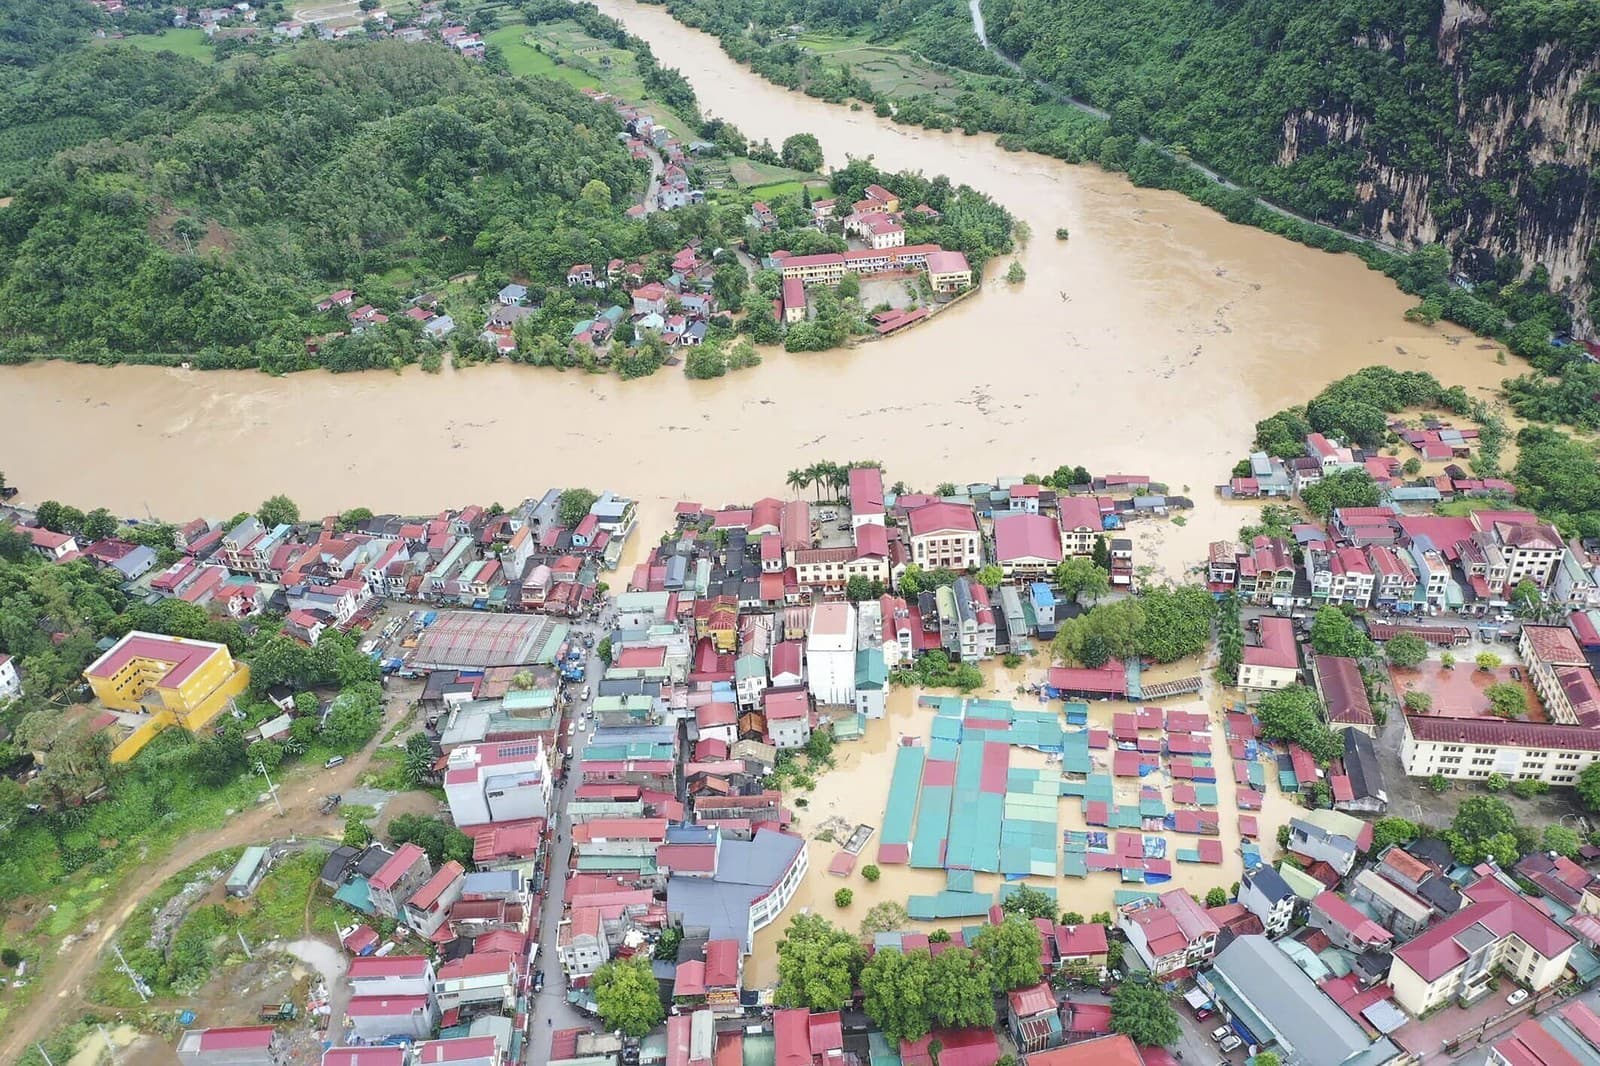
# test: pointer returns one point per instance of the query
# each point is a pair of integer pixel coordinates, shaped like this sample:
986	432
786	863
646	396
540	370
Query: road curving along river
1149	342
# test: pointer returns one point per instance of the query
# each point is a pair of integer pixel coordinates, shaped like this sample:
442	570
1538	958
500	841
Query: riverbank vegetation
1146	88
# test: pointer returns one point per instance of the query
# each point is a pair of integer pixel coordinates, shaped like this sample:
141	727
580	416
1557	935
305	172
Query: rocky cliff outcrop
1514	177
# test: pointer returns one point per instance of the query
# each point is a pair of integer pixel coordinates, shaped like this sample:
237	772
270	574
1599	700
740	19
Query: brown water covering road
1150	342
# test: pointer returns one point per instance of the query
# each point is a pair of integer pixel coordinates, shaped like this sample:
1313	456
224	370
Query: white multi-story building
498	782
945	536
831	653
1340	576
1470	749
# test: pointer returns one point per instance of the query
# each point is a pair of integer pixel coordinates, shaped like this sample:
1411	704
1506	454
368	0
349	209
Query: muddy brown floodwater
1150	342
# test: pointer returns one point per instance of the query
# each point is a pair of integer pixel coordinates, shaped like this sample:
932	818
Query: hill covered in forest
165	206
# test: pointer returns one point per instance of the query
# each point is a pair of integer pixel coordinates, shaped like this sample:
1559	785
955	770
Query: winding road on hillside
68	973
980	28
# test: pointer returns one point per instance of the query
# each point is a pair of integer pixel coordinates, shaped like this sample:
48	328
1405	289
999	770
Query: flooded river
1150	342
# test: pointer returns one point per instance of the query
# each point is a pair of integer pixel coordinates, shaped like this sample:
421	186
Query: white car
1232	1044
1220	1031
1519	996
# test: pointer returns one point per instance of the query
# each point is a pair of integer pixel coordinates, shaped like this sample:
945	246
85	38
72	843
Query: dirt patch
414	802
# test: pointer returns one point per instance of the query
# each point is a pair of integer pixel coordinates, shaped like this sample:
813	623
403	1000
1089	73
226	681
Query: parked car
1519	996
337	760
538	981
1202	1014
1220	1031
1232	1044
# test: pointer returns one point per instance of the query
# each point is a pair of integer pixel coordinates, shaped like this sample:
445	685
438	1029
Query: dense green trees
1559	477
1405	650
625	994
1347	488
228	197
1142	1011
1295	714
817	964
443	842
1484	827
1011	952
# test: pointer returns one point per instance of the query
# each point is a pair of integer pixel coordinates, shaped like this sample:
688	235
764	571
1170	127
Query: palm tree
798	479
841	479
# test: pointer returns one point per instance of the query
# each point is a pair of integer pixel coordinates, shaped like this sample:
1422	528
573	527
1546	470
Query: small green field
565	52
889	70
524	59
189	41
750	172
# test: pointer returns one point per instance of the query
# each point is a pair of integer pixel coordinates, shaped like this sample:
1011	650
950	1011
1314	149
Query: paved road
68	972
1056	94
551	1011
657	169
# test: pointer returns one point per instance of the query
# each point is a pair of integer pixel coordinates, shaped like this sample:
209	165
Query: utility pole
44	1056
138	982
240	934
111	1045
271	788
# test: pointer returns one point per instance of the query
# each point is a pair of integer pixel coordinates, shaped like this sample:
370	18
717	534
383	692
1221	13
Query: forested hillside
1472	124
199	209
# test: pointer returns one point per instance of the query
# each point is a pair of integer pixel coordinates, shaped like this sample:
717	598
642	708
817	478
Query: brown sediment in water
1151	342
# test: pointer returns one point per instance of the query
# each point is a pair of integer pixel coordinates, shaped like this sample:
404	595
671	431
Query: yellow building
174	681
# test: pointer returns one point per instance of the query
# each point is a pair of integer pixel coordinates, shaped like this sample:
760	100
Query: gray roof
1269	883
1361	764
1310	1026
491	882
746	870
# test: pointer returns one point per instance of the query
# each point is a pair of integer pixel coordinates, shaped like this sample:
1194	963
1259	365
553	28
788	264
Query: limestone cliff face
1517	170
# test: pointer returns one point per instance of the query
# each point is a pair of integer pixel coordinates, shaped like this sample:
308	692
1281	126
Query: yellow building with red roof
172	680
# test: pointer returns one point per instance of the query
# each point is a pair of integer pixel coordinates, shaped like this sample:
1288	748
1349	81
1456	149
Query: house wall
1474	762
1416	995
1266	677
765	910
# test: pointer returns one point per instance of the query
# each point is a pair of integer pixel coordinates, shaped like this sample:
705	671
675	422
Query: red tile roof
1501	910
1026	536
792	1037
389	873
183	656
388	966
236	1038
426	896
1277	648
1079	512
1490	731
1117	1050
1343	691
1035	999
939	517
1341	913
1554	644
722	963
1075	941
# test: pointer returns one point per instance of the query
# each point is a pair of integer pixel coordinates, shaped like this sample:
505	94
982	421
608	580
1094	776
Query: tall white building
498	782
831	653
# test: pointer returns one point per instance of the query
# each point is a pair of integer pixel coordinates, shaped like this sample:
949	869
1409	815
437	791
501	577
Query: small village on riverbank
641	774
